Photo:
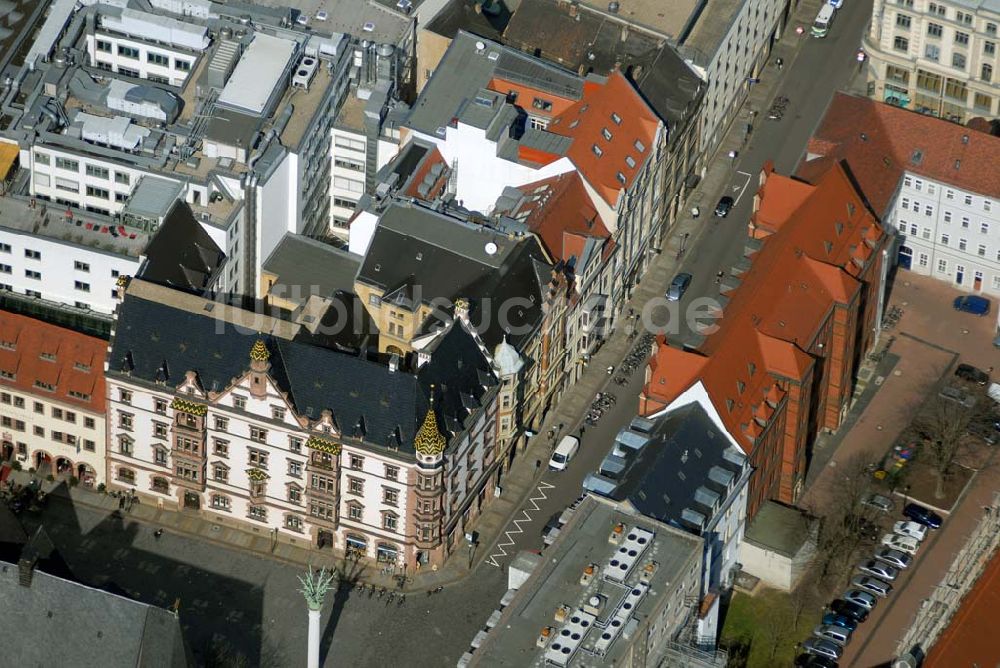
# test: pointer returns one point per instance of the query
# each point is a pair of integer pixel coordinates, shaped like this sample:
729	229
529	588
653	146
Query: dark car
678	286
972	374
724	206
973	304
922	515
839	620
813	661
849	610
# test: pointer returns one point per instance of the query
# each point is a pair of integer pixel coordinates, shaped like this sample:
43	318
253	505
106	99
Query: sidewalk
569	412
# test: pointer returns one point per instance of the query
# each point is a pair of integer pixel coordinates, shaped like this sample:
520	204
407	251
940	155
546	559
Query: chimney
25	570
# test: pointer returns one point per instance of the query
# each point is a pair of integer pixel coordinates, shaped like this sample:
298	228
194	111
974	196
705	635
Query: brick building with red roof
795	324
52	398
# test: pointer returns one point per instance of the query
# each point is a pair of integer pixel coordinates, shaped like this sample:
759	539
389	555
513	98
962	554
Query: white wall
170	73
482	175
79	443
935	220
773	569
277	208
59	275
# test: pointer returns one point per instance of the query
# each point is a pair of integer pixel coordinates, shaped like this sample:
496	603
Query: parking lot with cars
873	581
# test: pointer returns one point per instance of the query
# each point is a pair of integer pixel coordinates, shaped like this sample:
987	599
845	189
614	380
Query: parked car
879	569
854	611
836	4
878	502
872	585
814	661
972	374
322	15
862	598
724	206
922	515
678	286
959	396
912	530
840	620
836	634
894	558
901	543
987	428
973	304
822	647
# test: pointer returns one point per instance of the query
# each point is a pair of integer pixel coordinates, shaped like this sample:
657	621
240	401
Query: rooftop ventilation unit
305	72
620	618
568	640
625	557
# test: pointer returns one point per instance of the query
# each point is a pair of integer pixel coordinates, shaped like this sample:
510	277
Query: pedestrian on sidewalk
538	465
718	277
780	62
121	503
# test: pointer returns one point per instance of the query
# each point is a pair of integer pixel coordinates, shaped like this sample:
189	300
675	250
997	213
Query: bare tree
941	425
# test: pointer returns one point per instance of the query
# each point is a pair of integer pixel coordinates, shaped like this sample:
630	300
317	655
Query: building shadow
221	617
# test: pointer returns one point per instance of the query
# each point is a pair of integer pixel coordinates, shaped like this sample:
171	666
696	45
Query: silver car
833	633
872	585
823	647
895	558
878	502
862	598
678	286
878	569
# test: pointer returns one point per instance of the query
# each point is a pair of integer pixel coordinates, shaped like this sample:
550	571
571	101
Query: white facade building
938	58
52	416
949	233
390	473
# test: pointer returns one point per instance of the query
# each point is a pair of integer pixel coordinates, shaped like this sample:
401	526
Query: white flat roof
157	28
258	73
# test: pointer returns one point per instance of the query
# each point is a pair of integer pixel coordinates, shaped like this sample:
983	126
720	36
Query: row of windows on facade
948	216
152	57
318	509
39	408
949	194
93	171
73	440
943	267
958	60
963	244
963	17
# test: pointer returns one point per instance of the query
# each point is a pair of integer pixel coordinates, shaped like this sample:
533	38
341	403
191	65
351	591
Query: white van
821	26
565	452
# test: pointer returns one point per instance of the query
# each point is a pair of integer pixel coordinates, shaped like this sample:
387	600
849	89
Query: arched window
386	553
126	475
161	485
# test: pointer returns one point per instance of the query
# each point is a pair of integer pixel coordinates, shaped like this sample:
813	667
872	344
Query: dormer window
541	104
616	118
597	150
606	134
639	146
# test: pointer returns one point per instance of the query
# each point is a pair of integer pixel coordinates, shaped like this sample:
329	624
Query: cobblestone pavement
251	605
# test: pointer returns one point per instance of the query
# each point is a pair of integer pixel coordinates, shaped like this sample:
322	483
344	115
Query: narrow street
814	69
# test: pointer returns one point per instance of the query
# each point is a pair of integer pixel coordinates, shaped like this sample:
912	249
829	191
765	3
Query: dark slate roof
367	399
181	254
417	253
345	325
685	459
463	15
306	266
591	42
62	623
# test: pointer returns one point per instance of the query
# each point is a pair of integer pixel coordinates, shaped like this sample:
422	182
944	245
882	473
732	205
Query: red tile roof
560	212
805	266
77	367
968	640
879	141
613	109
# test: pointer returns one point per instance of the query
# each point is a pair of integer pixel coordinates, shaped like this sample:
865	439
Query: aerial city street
557	333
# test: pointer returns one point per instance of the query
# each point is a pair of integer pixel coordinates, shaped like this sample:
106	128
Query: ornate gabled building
231	414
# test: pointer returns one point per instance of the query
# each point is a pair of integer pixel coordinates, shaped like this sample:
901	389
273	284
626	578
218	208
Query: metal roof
156	28
258	74
153	197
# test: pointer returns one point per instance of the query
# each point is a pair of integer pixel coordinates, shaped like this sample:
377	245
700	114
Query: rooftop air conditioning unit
305	72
